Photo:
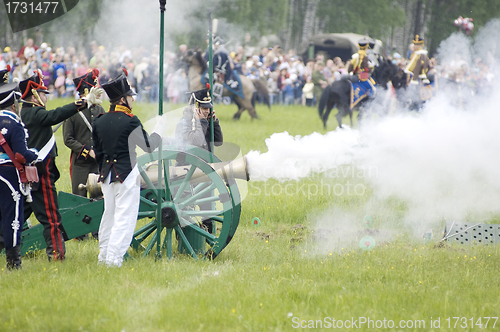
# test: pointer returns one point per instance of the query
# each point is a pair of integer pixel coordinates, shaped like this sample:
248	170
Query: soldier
115	136
13	148
4	75
418	66
361	68
77	133
193	128
4	79
39	123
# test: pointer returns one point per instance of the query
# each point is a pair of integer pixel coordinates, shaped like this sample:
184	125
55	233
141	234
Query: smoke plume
442	161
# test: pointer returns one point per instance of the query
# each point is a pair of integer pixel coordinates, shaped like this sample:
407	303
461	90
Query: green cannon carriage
192	190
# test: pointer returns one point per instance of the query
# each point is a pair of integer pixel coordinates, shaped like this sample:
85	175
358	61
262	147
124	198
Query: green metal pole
159	189
211	79
163	4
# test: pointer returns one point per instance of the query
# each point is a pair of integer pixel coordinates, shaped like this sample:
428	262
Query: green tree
444	12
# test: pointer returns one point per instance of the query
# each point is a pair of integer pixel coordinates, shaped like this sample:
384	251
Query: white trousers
121	206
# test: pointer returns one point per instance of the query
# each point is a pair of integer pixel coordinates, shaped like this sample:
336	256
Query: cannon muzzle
93	186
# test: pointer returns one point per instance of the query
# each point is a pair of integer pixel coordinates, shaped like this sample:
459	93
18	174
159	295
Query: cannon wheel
184	205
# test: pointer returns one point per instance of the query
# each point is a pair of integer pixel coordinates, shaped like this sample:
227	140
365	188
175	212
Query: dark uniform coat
12	204
78	137
115	135
39	123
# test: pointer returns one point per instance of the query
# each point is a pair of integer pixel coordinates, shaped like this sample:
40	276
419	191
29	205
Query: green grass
269	278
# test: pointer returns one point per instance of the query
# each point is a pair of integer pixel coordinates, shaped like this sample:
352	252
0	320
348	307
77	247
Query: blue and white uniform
11	188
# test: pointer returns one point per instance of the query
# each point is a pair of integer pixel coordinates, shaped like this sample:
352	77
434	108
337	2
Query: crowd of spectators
290	79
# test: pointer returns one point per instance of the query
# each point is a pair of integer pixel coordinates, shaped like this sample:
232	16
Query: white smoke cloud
442	162
292	158
137	22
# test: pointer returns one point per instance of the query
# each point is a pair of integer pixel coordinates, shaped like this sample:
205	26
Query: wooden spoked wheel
193	200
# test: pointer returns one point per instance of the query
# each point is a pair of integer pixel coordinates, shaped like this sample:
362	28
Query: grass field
279	276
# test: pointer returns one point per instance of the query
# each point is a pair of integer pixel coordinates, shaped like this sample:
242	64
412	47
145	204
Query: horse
197	68
338	94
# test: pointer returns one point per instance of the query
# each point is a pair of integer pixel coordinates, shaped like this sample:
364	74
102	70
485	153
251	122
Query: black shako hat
87	81
4	75
8	94
117	88
201	98
34	82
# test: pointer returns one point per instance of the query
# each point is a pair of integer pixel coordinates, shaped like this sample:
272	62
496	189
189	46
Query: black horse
338	94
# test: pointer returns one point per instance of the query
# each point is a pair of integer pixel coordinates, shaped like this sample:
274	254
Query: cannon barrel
236	169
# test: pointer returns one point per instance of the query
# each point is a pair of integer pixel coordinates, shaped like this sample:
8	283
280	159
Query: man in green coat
39	122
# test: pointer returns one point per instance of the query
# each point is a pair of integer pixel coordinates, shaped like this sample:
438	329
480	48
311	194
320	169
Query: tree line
395	22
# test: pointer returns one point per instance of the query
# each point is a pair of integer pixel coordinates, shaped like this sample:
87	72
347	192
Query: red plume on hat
125	71
208	86
34	82
95	73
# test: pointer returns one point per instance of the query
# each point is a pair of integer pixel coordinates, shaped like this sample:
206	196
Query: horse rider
223	64
418	66
422	84
13	148
361	69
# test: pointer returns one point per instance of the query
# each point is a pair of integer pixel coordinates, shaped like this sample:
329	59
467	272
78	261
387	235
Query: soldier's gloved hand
160	125
94	94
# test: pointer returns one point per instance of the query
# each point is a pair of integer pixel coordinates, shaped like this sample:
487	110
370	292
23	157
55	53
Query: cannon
198	198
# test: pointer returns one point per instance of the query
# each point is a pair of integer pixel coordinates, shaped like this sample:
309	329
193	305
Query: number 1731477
37	7
465	322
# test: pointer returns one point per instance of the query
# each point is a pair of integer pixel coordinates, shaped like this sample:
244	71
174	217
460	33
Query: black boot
14	258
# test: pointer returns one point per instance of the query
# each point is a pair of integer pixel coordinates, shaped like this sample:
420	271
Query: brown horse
197	66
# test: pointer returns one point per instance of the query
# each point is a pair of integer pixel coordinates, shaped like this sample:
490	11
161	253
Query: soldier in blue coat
11	188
